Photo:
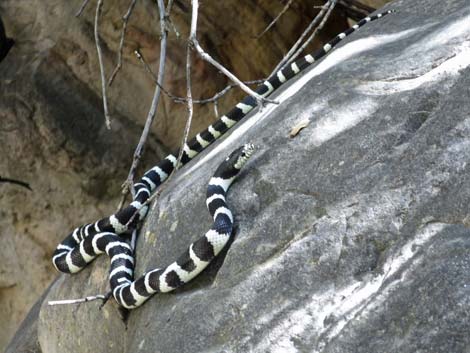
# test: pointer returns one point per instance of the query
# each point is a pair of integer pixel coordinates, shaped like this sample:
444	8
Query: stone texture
52	133
351	237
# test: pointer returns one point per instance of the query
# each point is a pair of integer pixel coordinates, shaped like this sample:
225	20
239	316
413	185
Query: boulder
352	236
52	133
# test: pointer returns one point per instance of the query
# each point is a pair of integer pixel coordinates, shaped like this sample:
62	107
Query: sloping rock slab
351	237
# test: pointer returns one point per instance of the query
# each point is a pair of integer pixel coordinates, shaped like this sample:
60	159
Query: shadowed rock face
352	237
5	42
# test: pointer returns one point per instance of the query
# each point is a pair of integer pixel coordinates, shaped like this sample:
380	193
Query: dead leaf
299	126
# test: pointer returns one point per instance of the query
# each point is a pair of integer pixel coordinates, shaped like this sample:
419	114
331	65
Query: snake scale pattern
88	241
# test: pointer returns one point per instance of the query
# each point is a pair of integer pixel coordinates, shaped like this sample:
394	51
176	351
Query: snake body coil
86	242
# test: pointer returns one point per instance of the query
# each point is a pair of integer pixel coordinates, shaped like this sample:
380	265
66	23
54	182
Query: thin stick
17	182
125	20
178	99
190	112
128	184
168	20
261	100
188	86
77	301
155	78
314	33
100	60
82	7
169	6
193	40
297	44
286	7
189	96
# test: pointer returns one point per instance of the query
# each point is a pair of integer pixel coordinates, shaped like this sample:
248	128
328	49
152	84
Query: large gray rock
351	237
52	133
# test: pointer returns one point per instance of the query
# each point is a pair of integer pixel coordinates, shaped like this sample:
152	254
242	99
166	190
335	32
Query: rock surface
51	123
352	236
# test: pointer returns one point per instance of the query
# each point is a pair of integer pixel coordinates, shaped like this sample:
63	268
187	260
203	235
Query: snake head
234	162
240	156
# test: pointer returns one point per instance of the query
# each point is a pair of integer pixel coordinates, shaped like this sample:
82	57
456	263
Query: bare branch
100	60
286	7
153	108
193	40
82	7
125	20
78	301
155	78
169	7
168	20
261	100
15	181
189	96
178	99
297	44
188	89
331	6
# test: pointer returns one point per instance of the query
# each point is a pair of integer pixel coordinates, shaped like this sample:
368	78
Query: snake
85	242
131	294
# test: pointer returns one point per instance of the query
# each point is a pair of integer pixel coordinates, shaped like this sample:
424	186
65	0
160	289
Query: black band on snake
86	242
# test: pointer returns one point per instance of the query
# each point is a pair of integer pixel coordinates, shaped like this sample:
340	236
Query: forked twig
178	99
288	56
125	20
205	56
331	6
128	184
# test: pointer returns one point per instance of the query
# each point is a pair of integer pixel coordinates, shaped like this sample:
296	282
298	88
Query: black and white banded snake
81	246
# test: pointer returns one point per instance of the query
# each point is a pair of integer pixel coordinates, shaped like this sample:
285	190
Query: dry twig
168	20
190	113
128	184
286	7
261	100
78	301
100	60
178	99
125	20
82	7
193	40
16	182
189	95
331	6
287	58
